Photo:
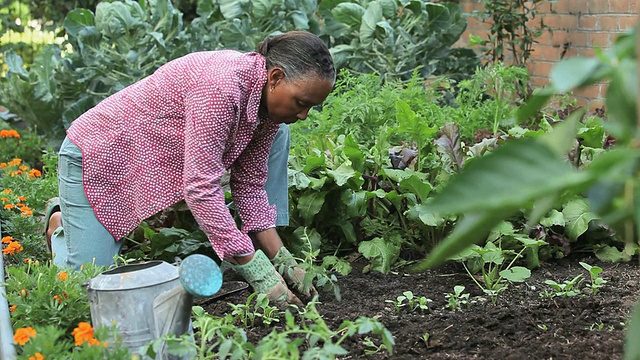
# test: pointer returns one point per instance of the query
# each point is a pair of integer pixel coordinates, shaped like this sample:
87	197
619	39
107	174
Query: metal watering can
149	300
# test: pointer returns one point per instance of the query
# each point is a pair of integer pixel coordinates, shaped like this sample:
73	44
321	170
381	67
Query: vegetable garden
444	207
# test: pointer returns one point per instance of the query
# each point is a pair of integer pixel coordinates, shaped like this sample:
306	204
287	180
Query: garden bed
522	325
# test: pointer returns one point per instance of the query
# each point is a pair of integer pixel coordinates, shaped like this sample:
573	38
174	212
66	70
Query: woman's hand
264	278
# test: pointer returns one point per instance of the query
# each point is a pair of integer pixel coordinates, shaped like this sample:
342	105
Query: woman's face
290	101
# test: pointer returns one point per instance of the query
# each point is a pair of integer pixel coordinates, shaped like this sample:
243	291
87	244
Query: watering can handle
200	275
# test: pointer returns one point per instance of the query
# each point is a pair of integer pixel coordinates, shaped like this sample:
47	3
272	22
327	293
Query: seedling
566	289
247	314
596	281
543	327
458	298
413	302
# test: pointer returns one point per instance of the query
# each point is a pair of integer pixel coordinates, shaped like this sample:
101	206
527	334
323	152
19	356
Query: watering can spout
149	300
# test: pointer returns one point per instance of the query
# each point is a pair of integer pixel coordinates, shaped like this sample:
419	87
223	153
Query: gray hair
298	54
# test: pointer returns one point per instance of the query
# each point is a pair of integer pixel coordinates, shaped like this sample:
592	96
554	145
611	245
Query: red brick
577	6
546	38
578	38
627	22
568	21
551	53
608	22
543	68
586	52
599	39
633	6
588	22
619	6
559	38
560	6
538	81
552	21
543	8
590	92
597	6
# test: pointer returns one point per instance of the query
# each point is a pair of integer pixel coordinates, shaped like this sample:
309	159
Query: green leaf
621	100
631	343
382	254
509	178
563	135
470	230
353	153
578	216
573	73
372	15
261	8
344	173
76	20
349	14
554	217
232	9
516	274
310	204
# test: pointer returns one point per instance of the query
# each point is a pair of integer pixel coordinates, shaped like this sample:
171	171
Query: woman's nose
303	114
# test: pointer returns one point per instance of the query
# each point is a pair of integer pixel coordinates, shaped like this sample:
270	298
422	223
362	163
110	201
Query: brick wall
577	27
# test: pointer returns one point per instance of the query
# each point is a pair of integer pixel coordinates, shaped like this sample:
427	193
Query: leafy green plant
42	294
395	37
412	302
256	307
533	174
496	273
219	337
567	288
596	281
510	35
458	298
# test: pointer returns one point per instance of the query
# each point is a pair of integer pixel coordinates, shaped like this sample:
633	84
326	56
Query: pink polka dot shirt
172	136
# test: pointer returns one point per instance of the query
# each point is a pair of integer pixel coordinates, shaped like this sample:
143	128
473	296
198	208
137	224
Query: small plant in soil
596	281
458	298
490	261
568	288
248	312
407	299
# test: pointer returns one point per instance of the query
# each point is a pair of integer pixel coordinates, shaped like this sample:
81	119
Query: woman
172	135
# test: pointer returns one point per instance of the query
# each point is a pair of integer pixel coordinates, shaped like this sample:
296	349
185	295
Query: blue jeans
83	239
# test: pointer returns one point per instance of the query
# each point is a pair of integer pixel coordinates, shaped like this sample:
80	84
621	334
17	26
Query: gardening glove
264	278
293	274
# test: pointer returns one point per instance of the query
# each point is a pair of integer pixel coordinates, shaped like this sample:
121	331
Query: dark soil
522	325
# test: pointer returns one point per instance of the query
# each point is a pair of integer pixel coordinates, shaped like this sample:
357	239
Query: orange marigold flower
57	298
26	212
36	356
14	173
20	205
34	173
83	333
15	162
3	165
13	308
14	247
4	199
62	276
22	335
9	206
7	239
22	198
7	191
23	167
9	133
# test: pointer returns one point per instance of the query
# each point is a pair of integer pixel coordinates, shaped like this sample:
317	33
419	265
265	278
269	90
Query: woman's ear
274	77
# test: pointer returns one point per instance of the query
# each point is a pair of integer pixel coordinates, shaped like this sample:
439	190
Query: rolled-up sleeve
210	119
248	177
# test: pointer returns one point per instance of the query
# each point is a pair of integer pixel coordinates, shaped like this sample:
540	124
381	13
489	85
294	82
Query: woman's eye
302	104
